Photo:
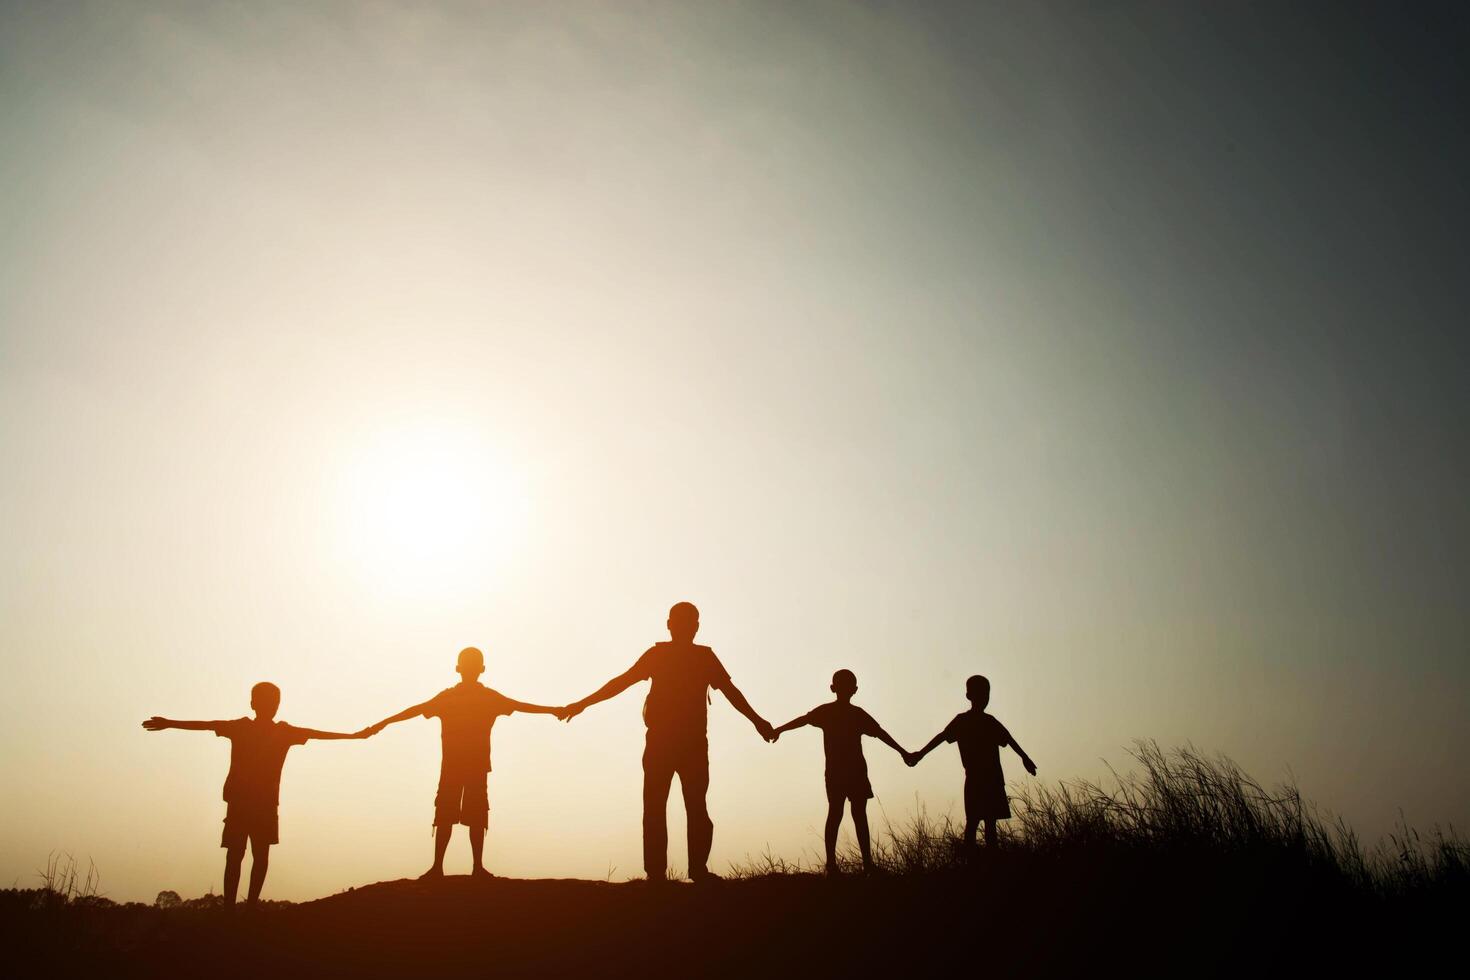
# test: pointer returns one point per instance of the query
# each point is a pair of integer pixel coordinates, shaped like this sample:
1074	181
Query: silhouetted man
466	713
258	748
677	742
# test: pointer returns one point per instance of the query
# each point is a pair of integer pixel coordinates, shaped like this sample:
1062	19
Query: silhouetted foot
703	876
435	872
656	880
833	871
481	873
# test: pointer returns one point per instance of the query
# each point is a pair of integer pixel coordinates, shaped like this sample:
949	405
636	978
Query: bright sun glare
429	508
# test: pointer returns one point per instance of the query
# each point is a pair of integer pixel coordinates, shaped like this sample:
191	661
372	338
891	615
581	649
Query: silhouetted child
258	749
466	713
980	737
843	726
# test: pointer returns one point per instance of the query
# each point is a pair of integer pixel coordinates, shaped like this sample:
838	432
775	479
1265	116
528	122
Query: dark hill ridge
1006	917
1188	868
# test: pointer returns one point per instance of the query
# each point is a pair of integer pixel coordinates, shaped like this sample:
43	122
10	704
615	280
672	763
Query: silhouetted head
683	621
977	689
265	700
844	684
471	664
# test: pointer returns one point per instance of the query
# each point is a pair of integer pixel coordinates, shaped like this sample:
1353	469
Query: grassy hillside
1186	866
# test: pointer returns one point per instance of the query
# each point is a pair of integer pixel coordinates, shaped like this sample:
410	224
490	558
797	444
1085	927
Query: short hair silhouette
265	698
471	660
977	686
683	621
844	682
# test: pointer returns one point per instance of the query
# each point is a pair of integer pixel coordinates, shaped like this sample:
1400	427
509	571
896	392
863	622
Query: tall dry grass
1180	807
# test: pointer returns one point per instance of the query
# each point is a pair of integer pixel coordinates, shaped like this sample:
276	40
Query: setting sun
428	508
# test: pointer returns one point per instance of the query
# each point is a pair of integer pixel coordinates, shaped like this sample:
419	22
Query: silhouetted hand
766	731
156	724
1030	766
569	711
775	736
367	732
911	759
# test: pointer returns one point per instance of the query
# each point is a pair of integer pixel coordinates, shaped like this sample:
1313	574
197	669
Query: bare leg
441	844
477	849
260	863
990	833
234	855
834	824
860	824
972	821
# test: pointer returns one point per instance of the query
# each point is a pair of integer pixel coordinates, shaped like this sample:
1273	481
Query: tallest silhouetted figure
681	672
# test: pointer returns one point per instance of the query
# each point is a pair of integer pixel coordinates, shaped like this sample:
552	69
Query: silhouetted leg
234	855
441	844
860	824
658	776
694	784
475	813
990	833
829	836
260	863
477	849
972	809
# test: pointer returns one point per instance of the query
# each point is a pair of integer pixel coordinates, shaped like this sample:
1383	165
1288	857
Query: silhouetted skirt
985	798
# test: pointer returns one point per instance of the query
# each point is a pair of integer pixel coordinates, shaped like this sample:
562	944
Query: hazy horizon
1113	351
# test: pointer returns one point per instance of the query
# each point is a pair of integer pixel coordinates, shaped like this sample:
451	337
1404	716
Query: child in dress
980	737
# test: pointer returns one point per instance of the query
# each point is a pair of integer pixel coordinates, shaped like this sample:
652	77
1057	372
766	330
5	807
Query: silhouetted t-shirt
465	713
257	753
678	698
843	726
980	738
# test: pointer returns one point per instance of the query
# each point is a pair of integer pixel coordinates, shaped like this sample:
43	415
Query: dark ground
1167	915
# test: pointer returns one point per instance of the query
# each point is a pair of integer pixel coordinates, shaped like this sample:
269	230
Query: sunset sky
1114	351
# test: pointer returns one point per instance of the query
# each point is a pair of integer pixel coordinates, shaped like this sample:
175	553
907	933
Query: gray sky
1115	351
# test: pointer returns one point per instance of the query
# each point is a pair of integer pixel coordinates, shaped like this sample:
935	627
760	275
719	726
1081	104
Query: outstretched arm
611	689
934	742
732	694
315	733
792	724
887	740
157	724
403	715
1025	759
533	709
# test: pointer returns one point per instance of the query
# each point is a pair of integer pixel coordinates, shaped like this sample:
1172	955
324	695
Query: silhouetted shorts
250	822
985	799
462	798
848	786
